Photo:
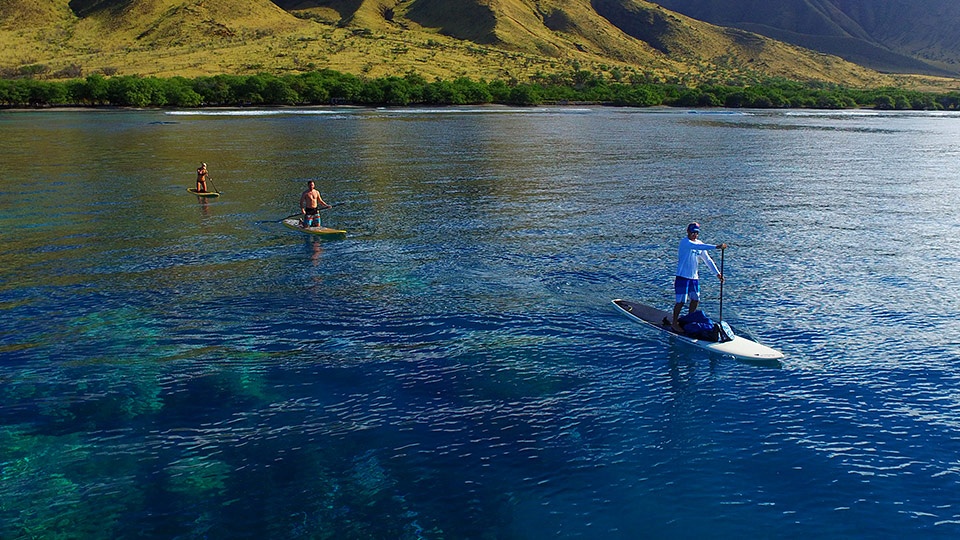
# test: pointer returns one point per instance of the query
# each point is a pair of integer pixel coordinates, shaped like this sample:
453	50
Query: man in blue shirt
687	283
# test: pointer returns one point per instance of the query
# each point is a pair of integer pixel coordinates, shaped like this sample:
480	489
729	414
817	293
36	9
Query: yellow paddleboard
294	223
203	193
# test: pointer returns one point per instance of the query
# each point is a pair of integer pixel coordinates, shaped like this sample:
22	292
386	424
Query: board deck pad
648	314
738	347
294	223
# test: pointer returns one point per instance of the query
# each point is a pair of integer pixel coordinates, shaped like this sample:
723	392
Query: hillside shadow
345	8
83	8
646	25
462	19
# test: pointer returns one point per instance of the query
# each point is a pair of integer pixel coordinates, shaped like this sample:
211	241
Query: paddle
723	335
298	214
721	286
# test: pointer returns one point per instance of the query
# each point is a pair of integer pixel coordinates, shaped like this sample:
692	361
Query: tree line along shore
326	87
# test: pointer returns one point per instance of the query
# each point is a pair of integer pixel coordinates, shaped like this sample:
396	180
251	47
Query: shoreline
294	108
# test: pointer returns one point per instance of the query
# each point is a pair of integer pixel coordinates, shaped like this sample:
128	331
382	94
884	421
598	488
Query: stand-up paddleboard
203	193
294	223
735	346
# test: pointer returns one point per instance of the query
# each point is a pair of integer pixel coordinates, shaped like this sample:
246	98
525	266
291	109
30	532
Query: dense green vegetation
330	87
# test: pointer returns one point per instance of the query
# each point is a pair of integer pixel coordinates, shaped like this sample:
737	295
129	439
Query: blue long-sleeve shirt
690	254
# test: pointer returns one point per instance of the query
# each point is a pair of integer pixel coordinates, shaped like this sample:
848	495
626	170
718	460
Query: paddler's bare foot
676	328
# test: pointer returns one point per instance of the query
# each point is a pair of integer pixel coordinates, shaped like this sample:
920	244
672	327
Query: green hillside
491	39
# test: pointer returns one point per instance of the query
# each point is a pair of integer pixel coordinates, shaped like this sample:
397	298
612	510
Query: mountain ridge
899	36
512	39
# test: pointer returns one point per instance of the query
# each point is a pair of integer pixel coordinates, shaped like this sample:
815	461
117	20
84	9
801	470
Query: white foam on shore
378	111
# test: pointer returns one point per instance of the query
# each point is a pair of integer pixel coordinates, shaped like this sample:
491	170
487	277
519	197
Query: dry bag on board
698	326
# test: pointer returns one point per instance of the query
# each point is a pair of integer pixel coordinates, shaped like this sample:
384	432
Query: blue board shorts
686	288
311	217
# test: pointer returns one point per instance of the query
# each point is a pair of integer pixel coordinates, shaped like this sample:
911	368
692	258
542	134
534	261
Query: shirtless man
202	178
310	205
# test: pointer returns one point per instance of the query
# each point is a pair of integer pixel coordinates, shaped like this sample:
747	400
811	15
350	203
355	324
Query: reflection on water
796	127
187	367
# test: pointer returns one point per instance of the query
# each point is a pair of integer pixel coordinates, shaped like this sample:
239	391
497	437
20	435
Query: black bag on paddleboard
698	326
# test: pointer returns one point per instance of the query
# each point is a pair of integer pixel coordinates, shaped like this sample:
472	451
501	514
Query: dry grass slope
164	23
23	14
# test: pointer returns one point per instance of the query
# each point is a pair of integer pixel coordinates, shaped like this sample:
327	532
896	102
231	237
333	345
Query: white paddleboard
738	347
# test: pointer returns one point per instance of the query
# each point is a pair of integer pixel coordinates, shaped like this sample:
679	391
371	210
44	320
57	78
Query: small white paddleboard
737	347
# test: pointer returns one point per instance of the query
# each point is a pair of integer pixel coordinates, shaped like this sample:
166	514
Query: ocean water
173	367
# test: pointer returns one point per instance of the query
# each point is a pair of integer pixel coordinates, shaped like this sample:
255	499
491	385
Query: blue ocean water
174	367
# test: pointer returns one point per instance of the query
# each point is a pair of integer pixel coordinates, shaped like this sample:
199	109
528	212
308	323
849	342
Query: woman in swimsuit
202	178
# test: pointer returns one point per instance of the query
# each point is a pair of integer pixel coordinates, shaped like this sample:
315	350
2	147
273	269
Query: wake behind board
327	232
738	347
203	193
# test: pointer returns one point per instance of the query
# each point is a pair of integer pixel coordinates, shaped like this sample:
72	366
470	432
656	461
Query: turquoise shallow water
180	368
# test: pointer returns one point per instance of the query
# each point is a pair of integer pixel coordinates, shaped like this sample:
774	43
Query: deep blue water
180	368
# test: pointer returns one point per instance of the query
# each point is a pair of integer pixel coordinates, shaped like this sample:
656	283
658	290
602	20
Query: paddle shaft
721	284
